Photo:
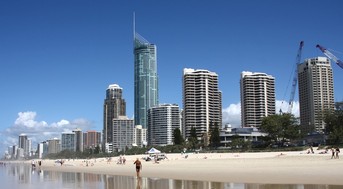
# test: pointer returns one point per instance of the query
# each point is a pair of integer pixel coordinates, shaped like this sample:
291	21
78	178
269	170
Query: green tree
280	127
236	142
215	135
178	140
193	138
97	149
334	127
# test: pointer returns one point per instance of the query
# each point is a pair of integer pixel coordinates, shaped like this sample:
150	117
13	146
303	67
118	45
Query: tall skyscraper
257	98
202	101
162	121
114	106
78	139
316	94
145	78
25	144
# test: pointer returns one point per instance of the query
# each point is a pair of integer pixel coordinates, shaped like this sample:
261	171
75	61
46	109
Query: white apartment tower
202	101
316	94
257	98
162	121
139	136
123	128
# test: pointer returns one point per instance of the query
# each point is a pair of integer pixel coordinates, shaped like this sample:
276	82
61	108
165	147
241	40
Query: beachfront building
257	98
251	134
139	136
14	152
122	134
54	146
202	102
114	106
316	93
25	144
68	141
91	139
145	79
78	140
162	121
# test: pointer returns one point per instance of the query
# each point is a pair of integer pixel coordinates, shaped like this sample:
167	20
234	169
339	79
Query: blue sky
58	57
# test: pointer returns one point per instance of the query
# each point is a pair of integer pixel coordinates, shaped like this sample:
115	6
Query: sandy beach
265	167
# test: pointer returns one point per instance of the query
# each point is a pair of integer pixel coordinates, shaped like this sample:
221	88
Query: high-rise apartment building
25	144
54	146
91	139
202	102
316	94
68	141
122	133
139	136
114	106
257	98
78	140
145	79
162	121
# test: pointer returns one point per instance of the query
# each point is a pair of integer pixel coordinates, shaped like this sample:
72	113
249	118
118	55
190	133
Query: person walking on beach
33	164
138	167
337	152
333	153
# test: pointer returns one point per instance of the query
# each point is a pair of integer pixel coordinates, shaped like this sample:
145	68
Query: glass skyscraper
146	79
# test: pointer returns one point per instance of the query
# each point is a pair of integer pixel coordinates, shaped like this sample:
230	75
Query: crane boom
331	56
295	78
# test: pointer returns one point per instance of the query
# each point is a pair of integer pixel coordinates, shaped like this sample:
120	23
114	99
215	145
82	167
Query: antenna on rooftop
134	25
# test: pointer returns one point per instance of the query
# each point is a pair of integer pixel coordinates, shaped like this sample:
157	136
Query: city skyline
57	58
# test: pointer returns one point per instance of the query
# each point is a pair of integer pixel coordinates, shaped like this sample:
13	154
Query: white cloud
232	114
38	131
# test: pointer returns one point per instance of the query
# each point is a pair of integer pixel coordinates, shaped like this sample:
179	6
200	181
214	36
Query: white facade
162	121
257	98
139	136
316	93
122	133
202	102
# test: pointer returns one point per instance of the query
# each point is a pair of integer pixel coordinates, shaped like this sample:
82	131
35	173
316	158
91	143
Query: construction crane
295	78
331	56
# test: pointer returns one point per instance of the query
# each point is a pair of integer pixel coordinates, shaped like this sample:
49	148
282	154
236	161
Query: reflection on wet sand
24	175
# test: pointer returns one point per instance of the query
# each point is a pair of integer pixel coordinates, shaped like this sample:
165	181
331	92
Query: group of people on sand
121	160
334	153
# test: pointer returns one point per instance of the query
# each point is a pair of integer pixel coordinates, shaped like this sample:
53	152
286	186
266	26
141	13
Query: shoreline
260	168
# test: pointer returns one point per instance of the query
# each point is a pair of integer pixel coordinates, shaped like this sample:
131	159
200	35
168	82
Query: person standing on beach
333	153
138	167
337	152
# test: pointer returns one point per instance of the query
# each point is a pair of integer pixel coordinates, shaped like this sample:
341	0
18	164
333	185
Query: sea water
22	176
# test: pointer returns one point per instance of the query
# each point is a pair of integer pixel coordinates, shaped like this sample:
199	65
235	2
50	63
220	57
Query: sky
58	57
